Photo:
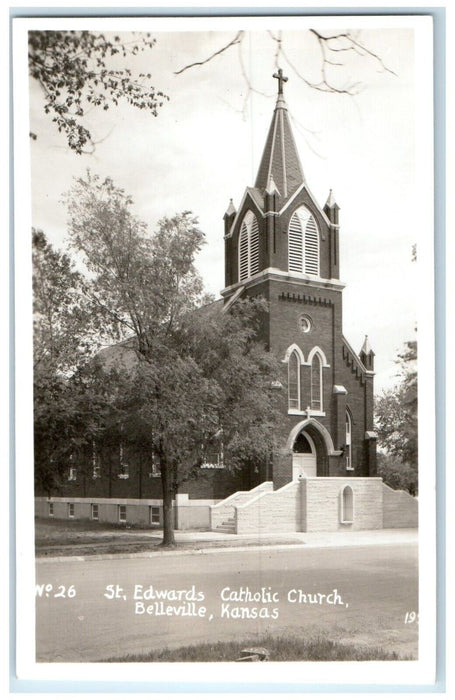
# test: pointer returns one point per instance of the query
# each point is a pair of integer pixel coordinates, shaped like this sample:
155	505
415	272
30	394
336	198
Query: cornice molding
273	273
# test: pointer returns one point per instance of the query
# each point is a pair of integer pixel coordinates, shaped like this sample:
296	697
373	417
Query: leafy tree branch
72	68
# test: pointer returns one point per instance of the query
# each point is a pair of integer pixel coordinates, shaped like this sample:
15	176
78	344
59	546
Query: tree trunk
168	514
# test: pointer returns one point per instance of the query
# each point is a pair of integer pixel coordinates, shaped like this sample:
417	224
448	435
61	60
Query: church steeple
279	225
280	160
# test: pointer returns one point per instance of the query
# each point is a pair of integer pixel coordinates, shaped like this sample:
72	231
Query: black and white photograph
224	314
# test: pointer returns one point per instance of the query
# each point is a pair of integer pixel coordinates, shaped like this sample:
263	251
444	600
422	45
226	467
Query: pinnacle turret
331	203
231	209
367	355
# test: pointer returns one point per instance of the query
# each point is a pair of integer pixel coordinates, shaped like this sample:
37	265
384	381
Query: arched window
348	442
303	243
294	381
248	247
347	505
316	382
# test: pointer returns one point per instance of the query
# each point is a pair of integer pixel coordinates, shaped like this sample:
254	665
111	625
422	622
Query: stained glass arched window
294	381
316	382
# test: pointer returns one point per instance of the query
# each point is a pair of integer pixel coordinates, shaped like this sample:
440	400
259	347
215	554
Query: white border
418	672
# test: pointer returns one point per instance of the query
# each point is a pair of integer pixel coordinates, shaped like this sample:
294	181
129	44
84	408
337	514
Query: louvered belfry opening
248	247
243	252
303	243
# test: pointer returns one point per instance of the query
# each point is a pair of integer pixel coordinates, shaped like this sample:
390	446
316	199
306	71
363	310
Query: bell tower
280	203
282	245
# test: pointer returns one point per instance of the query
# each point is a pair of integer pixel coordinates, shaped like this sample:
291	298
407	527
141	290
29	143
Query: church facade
283	246
280	244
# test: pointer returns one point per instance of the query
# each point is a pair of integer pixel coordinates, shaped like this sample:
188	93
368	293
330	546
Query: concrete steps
227	526
222	515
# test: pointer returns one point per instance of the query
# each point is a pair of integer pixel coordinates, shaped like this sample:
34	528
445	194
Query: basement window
122	514
70	510
51	510
154	515
95	511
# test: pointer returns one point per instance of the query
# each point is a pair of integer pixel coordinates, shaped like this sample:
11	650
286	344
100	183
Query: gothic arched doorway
304	459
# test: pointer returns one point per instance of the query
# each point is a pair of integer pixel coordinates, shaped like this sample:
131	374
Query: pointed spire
366	347
229	217
366	355
280	159
231	209
331	203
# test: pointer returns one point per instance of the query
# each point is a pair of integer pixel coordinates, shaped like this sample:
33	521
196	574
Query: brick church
282	245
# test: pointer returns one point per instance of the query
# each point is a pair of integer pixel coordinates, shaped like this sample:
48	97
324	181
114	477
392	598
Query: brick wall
212	483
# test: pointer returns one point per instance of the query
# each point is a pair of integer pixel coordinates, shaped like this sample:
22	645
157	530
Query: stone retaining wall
323	495
220	512
275	511
400	508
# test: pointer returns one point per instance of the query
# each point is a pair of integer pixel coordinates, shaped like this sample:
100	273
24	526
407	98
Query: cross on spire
281	79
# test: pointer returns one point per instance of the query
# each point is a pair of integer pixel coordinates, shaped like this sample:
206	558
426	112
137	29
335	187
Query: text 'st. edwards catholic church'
283	246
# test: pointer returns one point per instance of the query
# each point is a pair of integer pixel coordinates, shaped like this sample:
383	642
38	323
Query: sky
205	145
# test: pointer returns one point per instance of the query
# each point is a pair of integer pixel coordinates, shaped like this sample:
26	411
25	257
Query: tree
69	398
396	411
72	68
64	318
199	375
396	474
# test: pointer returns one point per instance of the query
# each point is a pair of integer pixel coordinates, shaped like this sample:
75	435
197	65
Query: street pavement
130	605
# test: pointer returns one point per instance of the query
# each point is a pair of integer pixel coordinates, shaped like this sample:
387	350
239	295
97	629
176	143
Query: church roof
280	160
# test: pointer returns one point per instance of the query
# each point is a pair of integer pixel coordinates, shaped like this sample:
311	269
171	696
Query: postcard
225	469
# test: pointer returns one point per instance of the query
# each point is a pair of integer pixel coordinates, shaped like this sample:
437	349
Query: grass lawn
279	648
84	537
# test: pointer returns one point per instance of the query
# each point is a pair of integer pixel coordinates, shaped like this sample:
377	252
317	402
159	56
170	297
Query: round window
305	323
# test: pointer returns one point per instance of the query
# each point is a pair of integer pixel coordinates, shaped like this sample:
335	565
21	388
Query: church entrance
303	457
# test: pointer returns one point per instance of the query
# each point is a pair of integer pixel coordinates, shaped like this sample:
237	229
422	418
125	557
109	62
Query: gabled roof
280	160
256	196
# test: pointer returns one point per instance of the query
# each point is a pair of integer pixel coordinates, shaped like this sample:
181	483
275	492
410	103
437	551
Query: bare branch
250	88
302	129
354	45
322	86
236	40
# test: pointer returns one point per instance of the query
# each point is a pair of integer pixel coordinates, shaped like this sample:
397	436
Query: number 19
410	617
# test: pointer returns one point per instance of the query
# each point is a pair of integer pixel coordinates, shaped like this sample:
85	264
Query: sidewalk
240	543
308	539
